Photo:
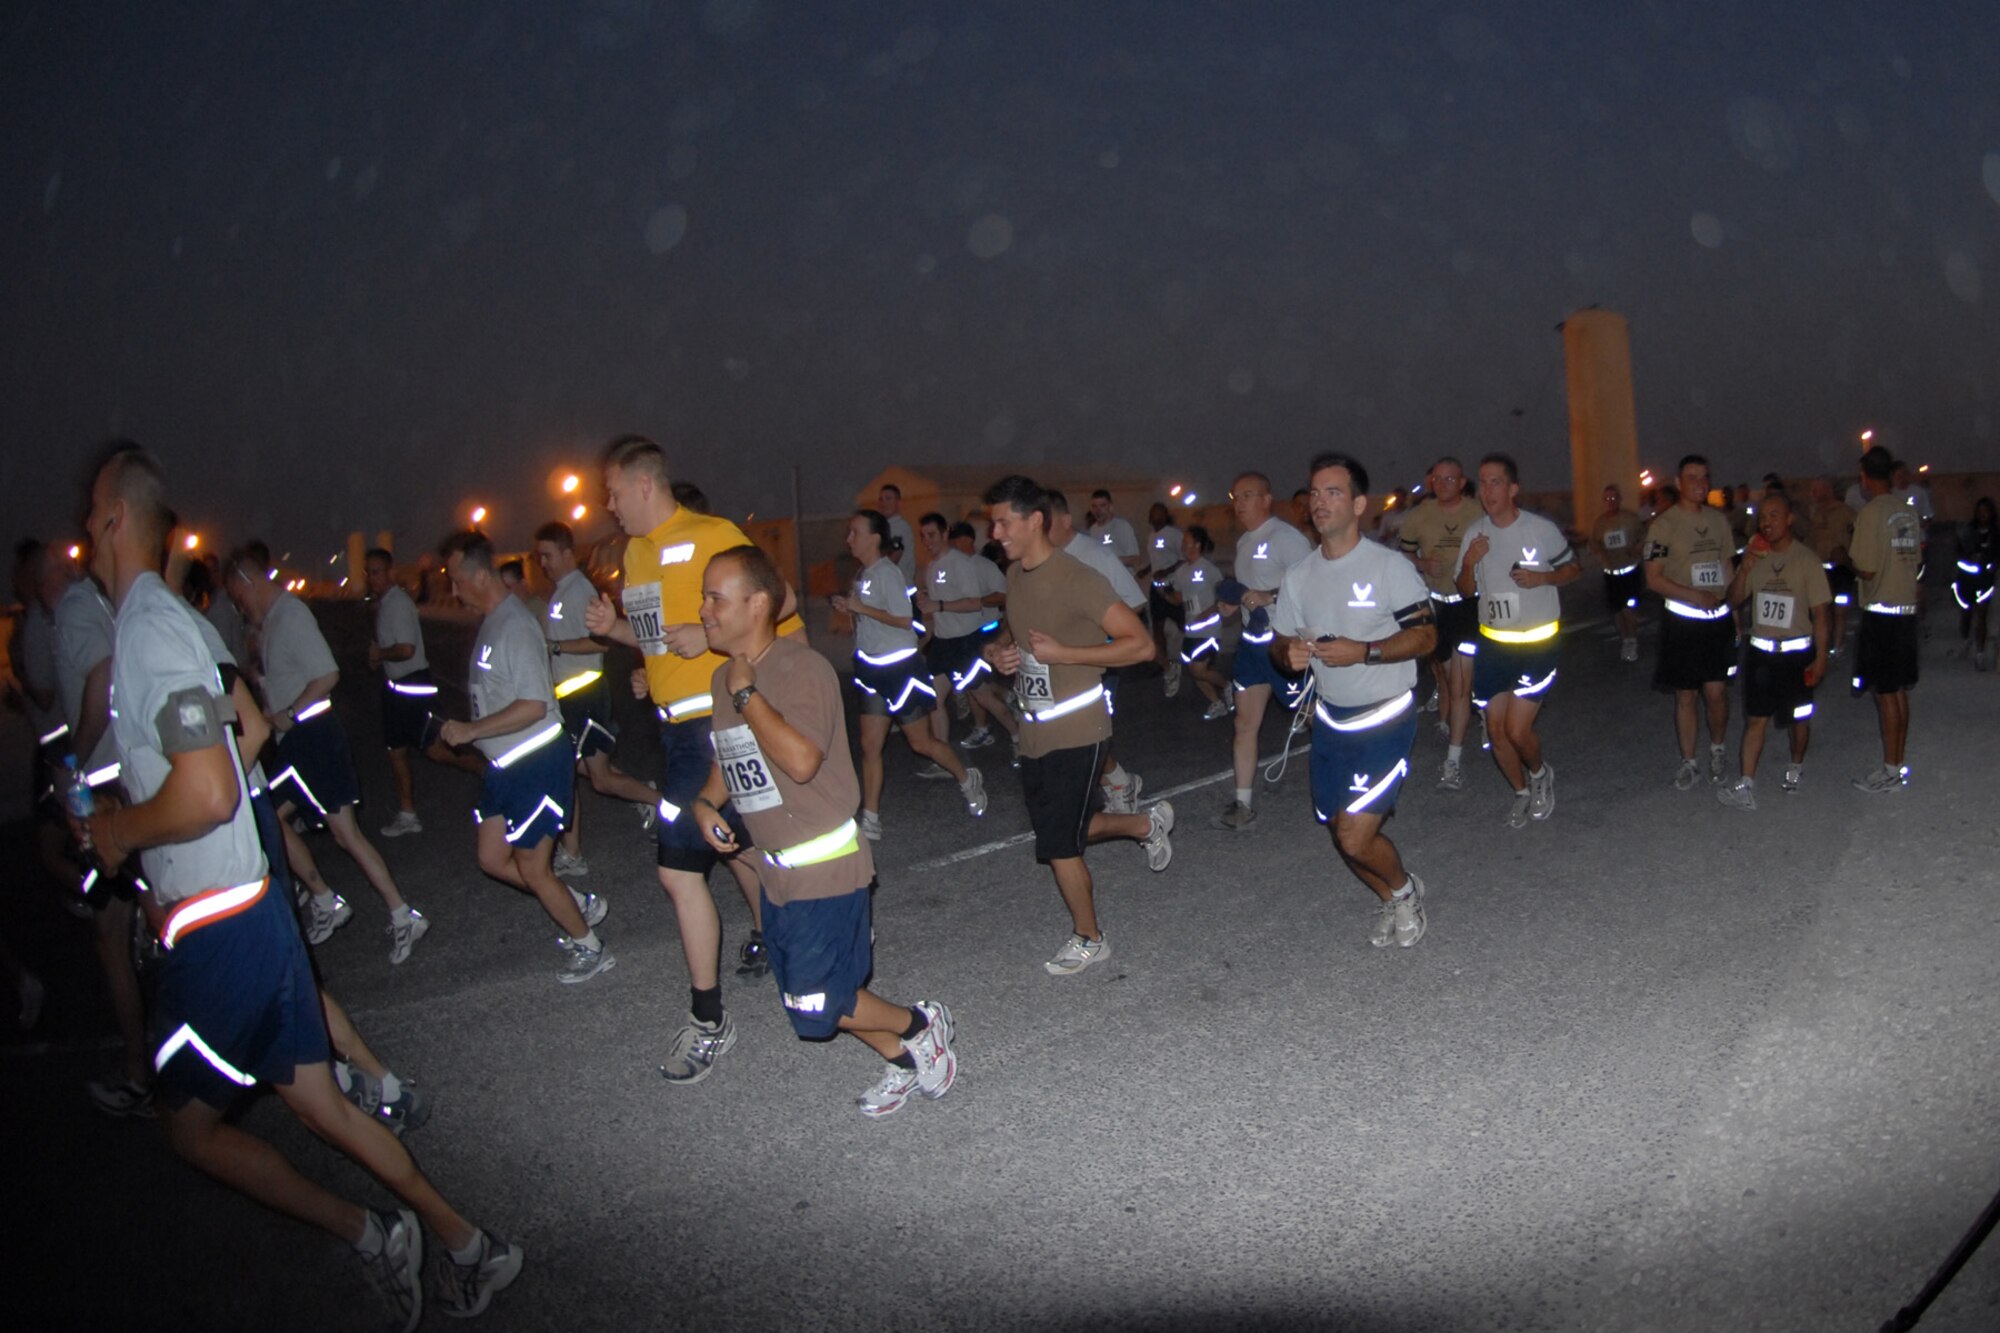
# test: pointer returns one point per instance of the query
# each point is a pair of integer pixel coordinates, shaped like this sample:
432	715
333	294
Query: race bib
1500	608
1032	685
1705	574
745	771
1775	609
642	612
1614	540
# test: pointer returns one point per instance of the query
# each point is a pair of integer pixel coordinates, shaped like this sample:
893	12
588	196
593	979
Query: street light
576	514
570	482
478	515
192	541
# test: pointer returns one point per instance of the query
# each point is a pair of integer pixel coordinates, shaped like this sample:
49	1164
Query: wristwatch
739	698
1374	657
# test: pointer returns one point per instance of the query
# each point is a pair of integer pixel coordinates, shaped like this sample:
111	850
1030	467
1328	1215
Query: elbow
803	768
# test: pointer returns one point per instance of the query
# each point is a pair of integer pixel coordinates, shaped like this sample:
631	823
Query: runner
408	693
889	673
782	764
1616	539
961	597
1973	578
1516	561
315	767
1689	565
1888	562
1163	557
1829	530
1108	529
517	724
236	1003
1208	636
1064	627
901	545
1268	547
1431	537
1121	789
1783	591
1361	617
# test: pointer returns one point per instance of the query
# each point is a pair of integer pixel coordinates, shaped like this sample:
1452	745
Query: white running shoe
1628	651
1170	679
1123	798
1718	762
1159	847
1687	775
1216	711
933	772
1384	933
1408	915
1517	814
871	825
406	821
322	922
594	908
889	1093
973	789
696	1049
977	739
584	963
1738	795
1449	776
404	932
1885	778
1795	775
937	1066
1542	793
1076	954
397	1269
568	867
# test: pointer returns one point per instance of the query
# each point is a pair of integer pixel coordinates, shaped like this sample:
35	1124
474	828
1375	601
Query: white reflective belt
668	810
1069	705
888	659
1781	645
1687	612
311	711
1265	637
419	691
1448	598
187	1037
1374	717
1206	622
1884	609
530	745
825	847
1802	712
694	703
1614	573
97	777
55	735
582	680
1970	568
204	908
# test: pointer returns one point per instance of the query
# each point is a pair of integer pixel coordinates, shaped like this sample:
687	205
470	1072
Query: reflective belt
55	735
311	711
1535	635
843	841
97	777
1374	717
1884	609
530	745
420	691
205	909
1448	598
1069	705
1209	621
582	680
989	627
1781	645
887	659
1686	612
1971	568
1615	573
688	707
1265	637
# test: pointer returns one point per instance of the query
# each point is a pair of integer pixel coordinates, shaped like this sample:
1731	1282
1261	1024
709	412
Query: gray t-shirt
1531	542
161	664
881	586
84	637
510	661
34	654
1264	553
1101	558
1163	549
907	561
1115	535
396	621
228	622
295	652
954	576
1357	596
564	623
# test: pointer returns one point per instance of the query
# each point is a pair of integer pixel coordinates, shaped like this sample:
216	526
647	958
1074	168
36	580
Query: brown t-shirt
781	813
1782	589
1888	542
1430	531
1066	600
1616	538
1697	547
1830	529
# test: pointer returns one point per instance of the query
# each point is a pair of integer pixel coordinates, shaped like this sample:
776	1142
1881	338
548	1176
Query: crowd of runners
192	753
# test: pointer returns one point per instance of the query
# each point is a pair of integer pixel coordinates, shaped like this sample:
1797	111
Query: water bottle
77	795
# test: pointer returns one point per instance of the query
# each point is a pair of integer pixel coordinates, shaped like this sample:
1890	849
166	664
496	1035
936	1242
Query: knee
1350	839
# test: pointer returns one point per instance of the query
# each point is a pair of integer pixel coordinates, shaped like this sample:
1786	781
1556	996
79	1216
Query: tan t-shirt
1697	547
1830	530
1889	542
1615	539
781	813
1066	600
1431	531
1782	588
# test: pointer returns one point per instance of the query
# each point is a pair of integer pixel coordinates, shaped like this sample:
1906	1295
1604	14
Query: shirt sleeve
1866	550
523	667
1285	615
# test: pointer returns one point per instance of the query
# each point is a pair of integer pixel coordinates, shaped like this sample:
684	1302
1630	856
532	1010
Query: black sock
706	1005
917	1024
904	1060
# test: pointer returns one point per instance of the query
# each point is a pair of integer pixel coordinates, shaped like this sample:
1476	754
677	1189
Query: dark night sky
347	266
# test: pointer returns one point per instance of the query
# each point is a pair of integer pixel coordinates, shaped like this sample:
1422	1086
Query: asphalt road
1657	1065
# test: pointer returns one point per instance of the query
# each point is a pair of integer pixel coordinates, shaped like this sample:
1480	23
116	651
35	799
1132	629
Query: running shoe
1542	793
406	821
933	772
322	921
977	739
1431	702
1216	711
1628	651
1795	774
973	789
1884	778
1738	795
889	1093
1076	954
961	707
937	1065
1384	933
1687	775
753	960
1123	798
1517	814
696	1049
1236	817
121	1098
1449	776
871	825
408	1109
569	867
465	1290
1718	762
1443	729
396	1270
584	963
1159	847
594	908
649	814
404	932
1409	915
1170	679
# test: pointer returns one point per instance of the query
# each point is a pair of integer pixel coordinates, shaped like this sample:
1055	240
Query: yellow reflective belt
1535	635
582	680
843	841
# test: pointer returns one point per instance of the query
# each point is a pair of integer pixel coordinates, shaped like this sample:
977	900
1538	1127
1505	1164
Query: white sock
373	1238
1539	773
401	913
1243	796
1117	776
470	1254
1454	752
1404	892
325	900
589	940
579	898
1717	749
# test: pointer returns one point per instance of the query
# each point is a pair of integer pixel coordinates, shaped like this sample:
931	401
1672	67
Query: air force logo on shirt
678	554
1528	554
1362	595
866	584
486	658
1263	551
555	610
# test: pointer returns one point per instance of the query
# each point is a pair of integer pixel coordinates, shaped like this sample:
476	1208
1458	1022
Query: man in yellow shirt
669	547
